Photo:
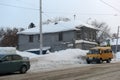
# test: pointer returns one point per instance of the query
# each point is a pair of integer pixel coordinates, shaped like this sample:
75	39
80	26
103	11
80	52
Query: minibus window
94	51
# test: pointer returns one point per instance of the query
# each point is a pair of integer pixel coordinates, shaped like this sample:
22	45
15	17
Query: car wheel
108	61
23	69
88	62
99	61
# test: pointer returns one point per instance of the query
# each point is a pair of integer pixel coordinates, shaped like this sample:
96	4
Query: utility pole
117	39
41	41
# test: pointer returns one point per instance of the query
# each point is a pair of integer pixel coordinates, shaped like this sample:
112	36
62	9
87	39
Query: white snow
112	42
27	54
51	28
63	59
116	57
58	60
83	41
7	50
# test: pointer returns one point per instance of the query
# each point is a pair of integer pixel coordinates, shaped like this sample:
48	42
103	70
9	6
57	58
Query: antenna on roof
74	16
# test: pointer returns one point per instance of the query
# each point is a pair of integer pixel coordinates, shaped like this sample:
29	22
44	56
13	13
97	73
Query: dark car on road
10	63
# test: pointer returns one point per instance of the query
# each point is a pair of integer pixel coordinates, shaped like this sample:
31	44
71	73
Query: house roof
84	41
52	28
113	41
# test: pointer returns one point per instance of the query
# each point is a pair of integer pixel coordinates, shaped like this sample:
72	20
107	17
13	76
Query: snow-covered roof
83	41
112	42
52	28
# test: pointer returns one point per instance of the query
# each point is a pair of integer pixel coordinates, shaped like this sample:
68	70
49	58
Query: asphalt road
106	71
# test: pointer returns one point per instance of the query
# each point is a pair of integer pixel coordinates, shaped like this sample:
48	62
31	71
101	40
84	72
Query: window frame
78	34
60	36
31	38
18	57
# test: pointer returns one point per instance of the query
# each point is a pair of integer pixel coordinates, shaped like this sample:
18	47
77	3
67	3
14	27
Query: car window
1	56
8	58
16	57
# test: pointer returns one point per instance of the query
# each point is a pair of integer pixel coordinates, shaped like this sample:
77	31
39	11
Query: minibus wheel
108	61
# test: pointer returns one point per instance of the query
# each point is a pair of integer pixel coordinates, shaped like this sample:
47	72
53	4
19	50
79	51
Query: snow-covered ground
58	60
116	57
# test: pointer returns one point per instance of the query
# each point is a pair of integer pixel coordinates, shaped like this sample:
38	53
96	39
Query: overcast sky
20	13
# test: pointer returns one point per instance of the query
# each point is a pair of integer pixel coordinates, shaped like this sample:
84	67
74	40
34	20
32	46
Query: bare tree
10	37
103	32
114	35
55	20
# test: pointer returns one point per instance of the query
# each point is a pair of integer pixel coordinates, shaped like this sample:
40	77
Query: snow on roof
83	41
52	28
113	41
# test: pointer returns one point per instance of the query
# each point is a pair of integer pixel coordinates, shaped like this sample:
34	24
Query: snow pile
27	54
118	55
58	59
66	55
7	50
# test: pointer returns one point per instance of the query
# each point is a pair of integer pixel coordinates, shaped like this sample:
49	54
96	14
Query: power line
110	6
28	3
79	13
3	4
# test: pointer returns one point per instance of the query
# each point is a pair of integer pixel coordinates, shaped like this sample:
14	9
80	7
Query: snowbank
116	57
7	50
58	59
27	54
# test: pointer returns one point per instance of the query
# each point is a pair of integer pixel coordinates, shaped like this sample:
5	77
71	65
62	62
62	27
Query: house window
60	36
38	38
31	38
85	36
90	36
78	34
94	36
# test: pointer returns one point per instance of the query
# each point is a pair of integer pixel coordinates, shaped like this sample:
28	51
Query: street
105	71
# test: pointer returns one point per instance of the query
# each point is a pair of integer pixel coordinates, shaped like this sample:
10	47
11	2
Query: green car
10	63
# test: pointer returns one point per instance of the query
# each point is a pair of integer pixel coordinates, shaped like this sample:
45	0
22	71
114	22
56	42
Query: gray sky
13	16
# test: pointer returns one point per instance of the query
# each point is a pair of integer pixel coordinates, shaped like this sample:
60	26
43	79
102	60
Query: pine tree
31	25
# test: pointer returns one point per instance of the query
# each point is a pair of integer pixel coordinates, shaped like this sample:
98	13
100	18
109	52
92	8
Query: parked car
10	63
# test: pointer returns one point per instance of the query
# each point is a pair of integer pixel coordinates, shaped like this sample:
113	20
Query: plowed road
104	71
